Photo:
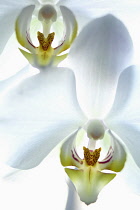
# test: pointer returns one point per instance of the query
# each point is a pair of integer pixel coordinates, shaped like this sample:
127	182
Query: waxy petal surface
124	117
10	9
102	50
36	115
131	174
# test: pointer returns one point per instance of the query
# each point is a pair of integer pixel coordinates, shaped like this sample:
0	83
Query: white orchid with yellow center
45	29
84	11
45	54
11	9
94	101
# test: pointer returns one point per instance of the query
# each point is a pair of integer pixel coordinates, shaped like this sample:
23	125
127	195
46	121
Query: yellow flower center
91	157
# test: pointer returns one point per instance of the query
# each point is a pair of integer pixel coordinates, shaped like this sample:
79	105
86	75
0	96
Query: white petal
6	84
89	5
124	118
81	11
126	104
102	50
9	57
88	9
131	175
8	14
36	115
126	89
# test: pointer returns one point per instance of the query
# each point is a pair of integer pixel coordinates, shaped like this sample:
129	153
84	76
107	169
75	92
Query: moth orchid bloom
51	106
11	9
106	94
45	54
88	172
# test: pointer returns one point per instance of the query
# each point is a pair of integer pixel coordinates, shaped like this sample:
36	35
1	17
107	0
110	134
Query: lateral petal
36	115
124	117
10	9
23	27
126	95
131	174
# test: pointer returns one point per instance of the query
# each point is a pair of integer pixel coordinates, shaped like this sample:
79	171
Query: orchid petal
23	27
36	115
116	156
105	50
131	175
126	90
91	4
6	84
82	12
11	57
8	14
89	183
125	122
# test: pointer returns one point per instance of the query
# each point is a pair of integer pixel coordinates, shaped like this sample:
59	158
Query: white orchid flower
42	110
28	19
33	14
38	15
11	9
45	53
